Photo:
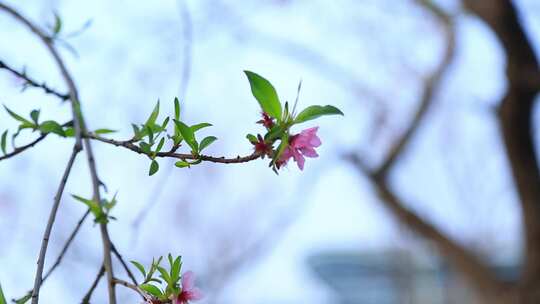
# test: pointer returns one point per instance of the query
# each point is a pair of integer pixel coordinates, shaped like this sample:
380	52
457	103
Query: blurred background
322	235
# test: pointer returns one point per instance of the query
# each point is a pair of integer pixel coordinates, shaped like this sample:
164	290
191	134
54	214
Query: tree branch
23	148
128	271
515	118
171	154
80	128
88	295
31	82
50	222
468	264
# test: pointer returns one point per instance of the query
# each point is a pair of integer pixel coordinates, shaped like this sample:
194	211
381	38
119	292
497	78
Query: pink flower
189	291
301	145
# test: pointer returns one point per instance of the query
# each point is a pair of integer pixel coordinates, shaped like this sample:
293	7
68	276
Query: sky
365	57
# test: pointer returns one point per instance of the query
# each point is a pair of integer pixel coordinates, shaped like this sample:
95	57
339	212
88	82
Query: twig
32	82
62	252
23	148
79	129
128	271
130	286
182	156
86	299
50	222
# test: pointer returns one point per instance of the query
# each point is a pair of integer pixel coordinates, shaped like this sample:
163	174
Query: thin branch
79	129
23	148
33	83
130	286
62	253
128	271
44	244
88	295
428	95
130	146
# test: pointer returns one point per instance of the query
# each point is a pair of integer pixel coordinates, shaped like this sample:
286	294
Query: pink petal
188	280
309	152
299	159
195	294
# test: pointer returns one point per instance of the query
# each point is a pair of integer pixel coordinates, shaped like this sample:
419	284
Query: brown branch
432	84
128	271
88	295
41	259
23	148
515	118
33	83
130	286
79	129
130	146
468	264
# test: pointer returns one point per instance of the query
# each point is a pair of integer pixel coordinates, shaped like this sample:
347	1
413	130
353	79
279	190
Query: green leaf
182	164
136	131
164	274
140	267
199	126
24	299
92	205
282	145
35	116
2	297
165	123
104	131
207	141
176	109
69	132
160	144
274	133
252	139
18	117
151	289
51	126
154	167
265	94
152	119
188	135
57	24
110	204
313	112
145	147
175	269
3	141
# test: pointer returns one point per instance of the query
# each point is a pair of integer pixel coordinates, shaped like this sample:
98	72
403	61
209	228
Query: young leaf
160	144
145	147
57	24
18	117
2	297
51	126
35	116
151	289
24	299
92	205
165	123
136	131
3	141
282	145
152	119
175	269
164	274
104	131
110	204
140	267
199	126
188	135
313	112
265	94
69	132
154	167
207	141
252	139
176	109
182	164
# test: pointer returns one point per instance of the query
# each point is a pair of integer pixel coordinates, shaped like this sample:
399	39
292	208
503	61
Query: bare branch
128	271
79	129
88	295
62	253
41	259
23	148
31	82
